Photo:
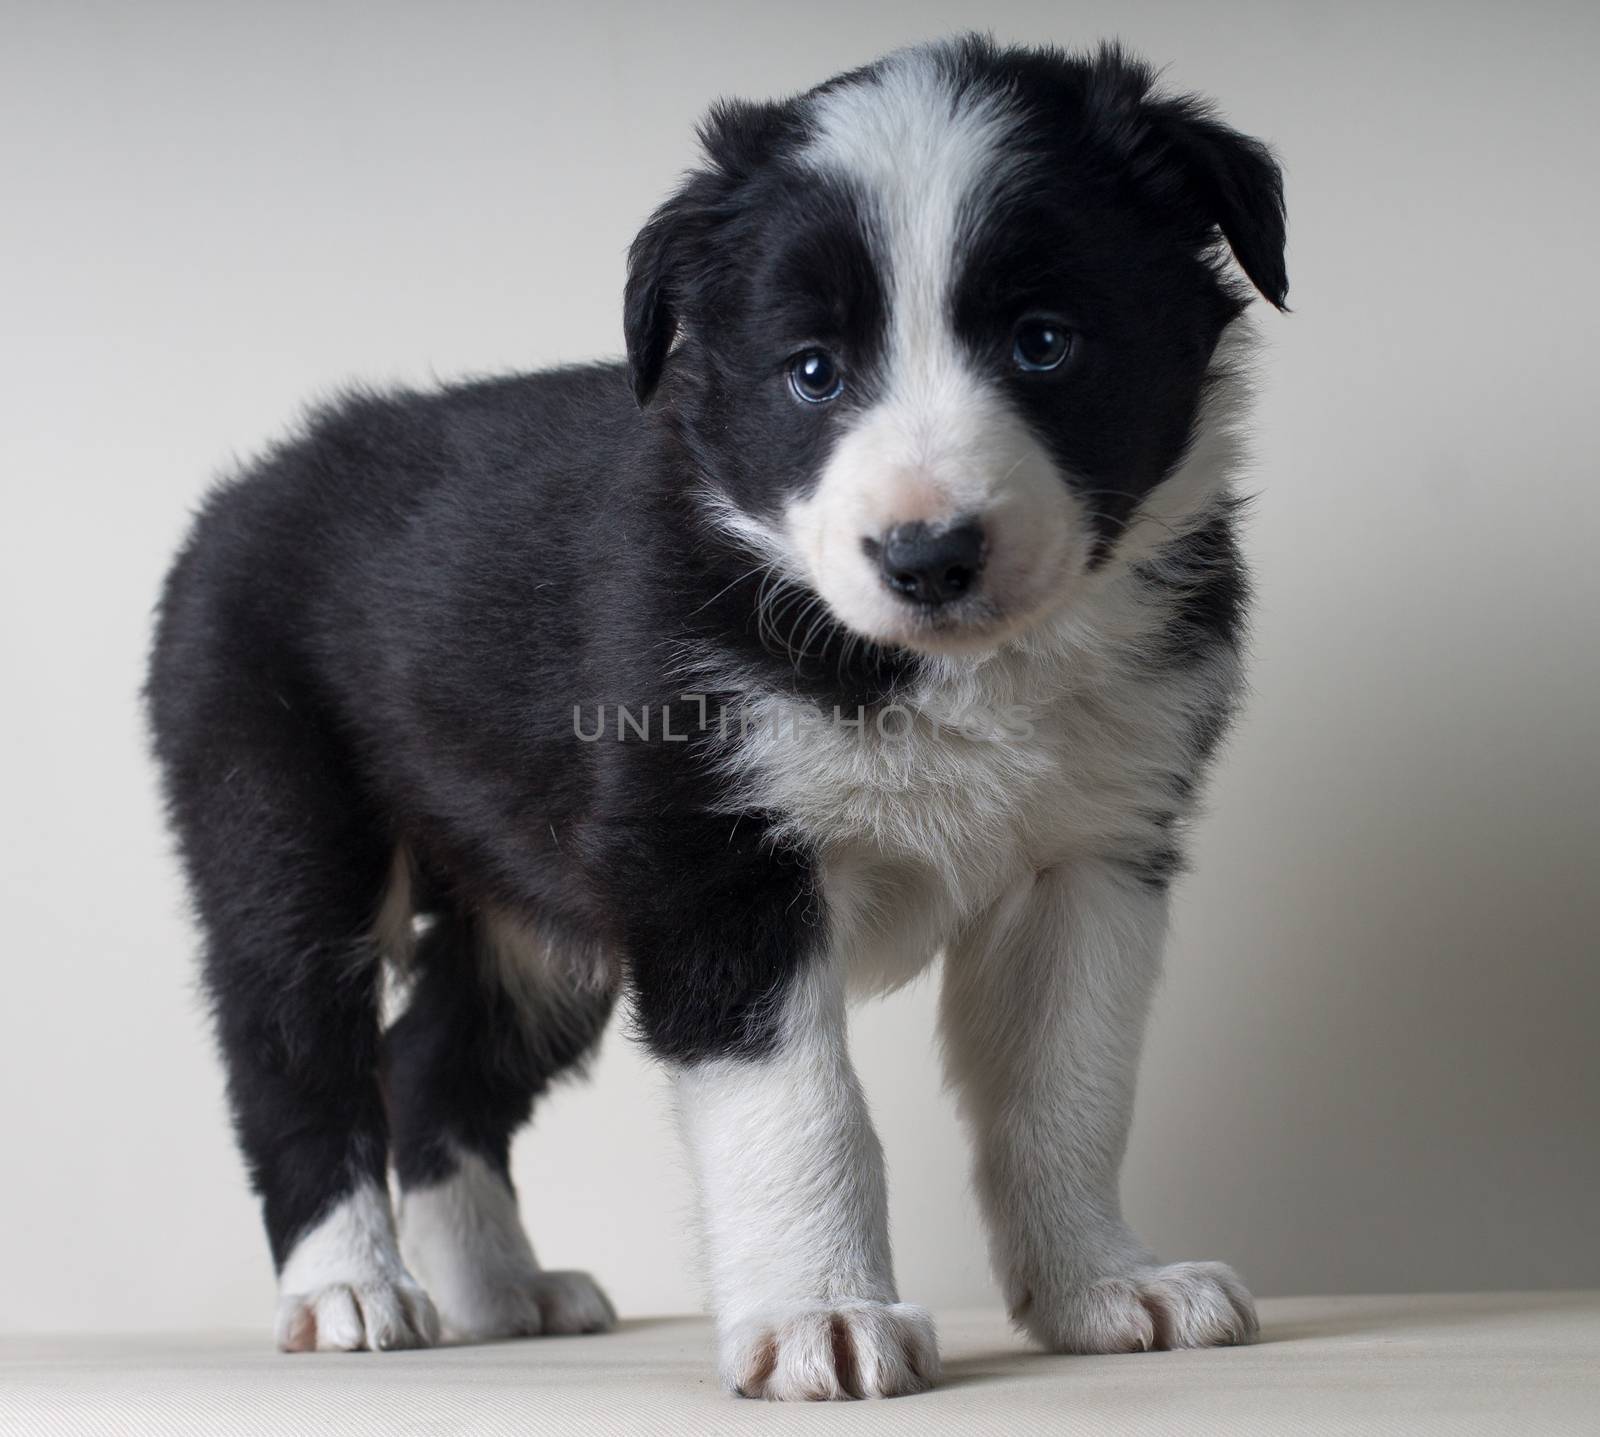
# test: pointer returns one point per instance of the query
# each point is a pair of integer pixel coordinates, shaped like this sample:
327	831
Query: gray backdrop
1373	1065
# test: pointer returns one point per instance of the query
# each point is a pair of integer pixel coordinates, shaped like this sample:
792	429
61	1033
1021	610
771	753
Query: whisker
724	589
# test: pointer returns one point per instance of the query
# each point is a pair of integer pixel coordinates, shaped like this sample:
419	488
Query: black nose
931	566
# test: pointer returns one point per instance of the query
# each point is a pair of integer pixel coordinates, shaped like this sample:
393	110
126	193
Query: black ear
652	296
675	255
1234	184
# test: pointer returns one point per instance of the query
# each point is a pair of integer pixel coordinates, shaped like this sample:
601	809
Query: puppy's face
943	327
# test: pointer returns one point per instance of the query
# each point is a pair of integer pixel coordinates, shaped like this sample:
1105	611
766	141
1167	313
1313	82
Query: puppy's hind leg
492	1020
288	866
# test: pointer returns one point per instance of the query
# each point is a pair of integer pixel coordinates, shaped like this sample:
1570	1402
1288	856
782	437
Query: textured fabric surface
1501	1363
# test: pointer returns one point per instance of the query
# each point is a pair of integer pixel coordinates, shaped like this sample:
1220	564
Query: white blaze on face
939	443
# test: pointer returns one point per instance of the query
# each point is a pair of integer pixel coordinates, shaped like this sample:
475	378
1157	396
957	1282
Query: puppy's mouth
975	625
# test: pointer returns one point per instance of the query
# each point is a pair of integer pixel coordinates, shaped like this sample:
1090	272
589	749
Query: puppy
884	605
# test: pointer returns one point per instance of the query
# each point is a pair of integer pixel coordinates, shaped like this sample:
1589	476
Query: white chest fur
1070	745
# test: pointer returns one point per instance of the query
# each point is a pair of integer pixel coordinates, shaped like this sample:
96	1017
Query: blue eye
815	377
1041	344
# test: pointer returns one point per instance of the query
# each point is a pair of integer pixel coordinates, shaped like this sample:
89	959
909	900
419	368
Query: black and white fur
383	652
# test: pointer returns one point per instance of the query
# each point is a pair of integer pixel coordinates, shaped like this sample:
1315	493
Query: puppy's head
937	333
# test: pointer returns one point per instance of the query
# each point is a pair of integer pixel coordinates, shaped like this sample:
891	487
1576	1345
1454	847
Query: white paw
823	1353
376	1316
1186	1304
462	1236
525	1304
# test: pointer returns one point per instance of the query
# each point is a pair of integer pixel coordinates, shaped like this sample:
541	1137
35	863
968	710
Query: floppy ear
1233	183
652	297
675	254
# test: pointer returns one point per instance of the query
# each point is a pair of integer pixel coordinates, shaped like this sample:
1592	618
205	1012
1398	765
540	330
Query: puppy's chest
968	782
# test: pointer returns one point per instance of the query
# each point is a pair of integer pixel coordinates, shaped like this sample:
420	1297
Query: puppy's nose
931	566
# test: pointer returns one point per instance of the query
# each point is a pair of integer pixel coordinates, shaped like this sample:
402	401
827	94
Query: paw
525	1304
571	1302
462	1236
824	1354
376	1316
1187	1304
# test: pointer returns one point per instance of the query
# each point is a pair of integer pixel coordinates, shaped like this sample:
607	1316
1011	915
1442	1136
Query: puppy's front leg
791	1181
1043	1013
789	1170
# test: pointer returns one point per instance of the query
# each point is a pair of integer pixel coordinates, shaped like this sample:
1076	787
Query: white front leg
1043	1014
791	1184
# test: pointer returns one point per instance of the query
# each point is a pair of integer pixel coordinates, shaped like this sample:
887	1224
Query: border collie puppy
883	606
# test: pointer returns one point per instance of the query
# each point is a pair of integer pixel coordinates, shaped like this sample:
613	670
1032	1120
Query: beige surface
1492	1363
